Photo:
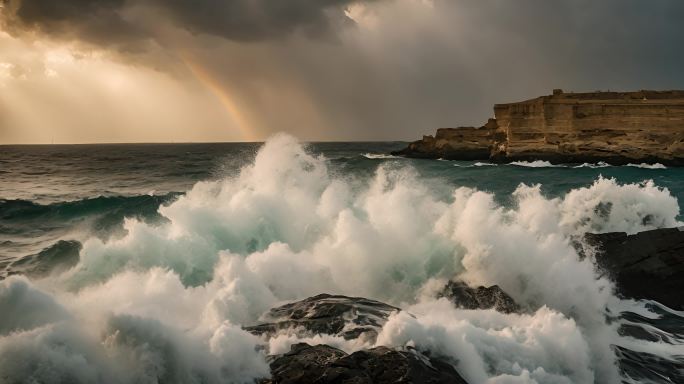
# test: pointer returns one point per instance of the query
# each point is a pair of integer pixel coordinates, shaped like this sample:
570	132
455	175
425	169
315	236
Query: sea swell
28	229
166	300
23	210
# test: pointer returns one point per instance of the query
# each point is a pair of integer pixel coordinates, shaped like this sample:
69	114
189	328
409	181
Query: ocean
124	262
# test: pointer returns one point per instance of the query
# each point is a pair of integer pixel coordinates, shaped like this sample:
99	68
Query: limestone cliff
616	127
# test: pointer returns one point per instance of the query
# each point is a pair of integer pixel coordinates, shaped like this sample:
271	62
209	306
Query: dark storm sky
174	70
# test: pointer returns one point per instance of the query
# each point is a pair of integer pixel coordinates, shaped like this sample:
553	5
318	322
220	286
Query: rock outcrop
464	143
349	317
479	298
646	265
323	364
614	127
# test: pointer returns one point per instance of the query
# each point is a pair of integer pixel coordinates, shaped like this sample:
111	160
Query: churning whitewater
166	301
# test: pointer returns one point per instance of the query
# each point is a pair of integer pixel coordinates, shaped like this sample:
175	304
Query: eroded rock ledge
353	318
357	318
324	364
646	265
481	297
614	127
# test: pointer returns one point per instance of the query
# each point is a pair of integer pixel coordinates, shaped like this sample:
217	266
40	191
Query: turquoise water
178	245
45	191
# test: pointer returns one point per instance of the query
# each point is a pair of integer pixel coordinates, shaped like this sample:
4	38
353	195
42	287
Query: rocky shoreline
614	127
647	265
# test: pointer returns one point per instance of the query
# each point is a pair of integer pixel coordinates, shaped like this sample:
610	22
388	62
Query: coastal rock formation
648	367
465	143
324	364
479	298
614	127
349	317
646	265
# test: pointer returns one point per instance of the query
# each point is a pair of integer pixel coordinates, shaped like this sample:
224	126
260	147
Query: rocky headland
614	127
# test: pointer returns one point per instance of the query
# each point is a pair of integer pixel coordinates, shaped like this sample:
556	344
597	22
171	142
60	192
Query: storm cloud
116	21
368	70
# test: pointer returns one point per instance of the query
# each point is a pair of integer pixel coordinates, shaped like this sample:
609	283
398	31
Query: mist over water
164	283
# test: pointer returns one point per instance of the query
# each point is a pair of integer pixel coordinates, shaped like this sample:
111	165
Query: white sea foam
647	166
380	156
165	302
535	164
600	164
476	164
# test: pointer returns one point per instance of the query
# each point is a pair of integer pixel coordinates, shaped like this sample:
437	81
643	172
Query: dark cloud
410	67
95	21
254	19
115	22
420	67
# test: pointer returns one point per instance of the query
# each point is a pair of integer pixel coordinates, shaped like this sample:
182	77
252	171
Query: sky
90	71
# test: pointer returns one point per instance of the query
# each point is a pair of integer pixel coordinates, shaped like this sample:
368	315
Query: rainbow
210	83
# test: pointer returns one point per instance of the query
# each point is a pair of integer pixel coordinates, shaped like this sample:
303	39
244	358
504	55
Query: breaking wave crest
23	210
166	301
379	156
647	166
600	164
534	164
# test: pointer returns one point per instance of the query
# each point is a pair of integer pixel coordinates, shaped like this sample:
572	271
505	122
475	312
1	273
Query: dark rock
479	298
304	364
324	364
648	368
464	143
646	265
349	317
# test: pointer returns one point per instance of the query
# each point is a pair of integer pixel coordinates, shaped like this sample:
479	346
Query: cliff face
465	143
616	127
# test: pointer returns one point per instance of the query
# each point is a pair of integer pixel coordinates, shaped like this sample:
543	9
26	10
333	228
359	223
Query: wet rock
479	298
646	265
349	317
323	364
643	367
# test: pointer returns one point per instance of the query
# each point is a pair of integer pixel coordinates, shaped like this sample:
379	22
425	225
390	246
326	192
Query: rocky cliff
615	127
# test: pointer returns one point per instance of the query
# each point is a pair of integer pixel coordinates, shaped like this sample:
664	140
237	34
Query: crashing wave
375	156
535	164
166	301
647	166
600	164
